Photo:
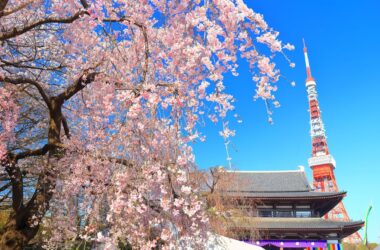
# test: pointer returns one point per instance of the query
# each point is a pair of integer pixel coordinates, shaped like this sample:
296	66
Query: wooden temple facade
284	209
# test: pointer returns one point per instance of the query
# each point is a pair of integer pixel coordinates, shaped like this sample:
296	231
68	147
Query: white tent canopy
218	242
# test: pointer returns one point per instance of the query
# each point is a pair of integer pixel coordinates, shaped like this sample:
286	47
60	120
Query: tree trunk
22	225
13	237
24	220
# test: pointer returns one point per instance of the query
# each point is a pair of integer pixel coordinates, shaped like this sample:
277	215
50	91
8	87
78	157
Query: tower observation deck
321	162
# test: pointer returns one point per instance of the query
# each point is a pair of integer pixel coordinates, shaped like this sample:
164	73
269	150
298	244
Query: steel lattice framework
321	162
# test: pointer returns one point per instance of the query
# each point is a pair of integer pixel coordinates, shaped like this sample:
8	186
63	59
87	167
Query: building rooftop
267	185
269	181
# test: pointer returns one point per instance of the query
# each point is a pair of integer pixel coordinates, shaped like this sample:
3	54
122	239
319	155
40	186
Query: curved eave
312	195
302	197
348	230
354	226
286	227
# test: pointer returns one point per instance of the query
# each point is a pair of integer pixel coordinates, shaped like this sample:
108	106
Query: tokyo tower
322	162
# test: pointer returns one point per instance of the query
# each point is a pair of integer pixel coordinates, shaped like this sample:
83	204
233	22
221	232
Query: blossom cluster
139	79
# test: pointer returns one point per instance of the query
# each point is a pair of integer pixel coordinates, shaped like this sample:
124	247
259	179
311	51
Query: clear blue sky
343	39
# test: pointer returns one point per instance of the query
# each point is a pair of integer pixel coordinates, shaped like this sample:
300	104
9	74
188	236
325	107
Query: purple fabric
289	243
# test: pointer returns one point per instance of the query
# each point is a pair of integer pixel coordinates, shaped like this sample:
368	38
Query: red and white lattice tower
321	162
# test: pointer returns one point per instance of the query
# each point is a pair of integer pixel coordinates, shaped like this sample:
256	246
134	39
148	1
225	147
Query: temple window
265	213
284	213
303	214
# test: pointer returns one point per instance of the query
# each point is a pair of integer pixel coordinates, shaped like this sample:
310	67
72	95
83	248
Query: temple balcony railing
287	213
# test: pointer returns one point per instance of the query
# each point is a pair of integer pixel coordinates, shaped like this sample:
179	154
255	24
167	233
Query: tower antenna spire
308	71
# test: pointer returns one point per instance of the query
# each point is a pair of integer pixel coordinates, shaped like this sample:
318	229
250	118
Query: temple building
284	209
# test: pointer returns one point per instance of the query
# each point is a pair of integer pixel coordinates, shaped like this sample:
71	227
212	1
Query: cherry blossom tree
223	204
100	102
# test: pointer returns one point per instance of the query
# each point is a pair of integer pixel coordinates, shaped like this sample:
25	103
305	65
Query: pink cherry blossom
100	102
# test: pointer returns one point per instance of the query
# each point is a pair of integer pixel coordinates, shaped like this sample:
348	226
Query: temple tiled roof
275	184
270	185
269	181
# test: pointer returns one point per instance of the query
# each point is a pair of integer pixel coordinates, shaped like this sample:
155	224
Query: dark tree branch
16	178
22	80
13	158
39	203
145	70
146	41
21	65
153	205
3	4
215	176
6	186
16	32
65	127
174	193
77	86
6	196
84	3
11	11
121	161
36	152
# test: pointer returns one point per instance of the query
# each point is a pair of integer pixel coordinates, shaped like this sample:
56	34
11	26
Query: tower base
324	181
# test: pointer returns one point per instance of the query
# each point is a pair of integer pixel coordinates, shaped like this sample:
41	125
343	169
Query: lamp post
366	226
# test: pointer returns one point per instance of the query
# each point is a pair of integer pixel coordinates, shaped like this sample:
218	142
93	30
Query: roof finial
308	71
